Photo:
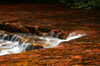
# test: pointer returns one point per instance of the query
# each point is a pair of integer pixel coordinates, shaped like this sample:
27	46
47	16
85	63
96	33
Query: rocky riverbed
57	21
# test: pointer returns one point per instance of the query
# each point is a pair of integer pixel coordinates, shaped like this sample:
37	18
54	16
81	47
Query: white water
3	37
52	34
13	37
11	47
17	38
55	41
58	34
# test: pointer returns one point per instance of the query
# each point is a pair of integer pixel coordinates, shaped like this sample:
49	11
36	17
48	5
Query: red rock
55	32
31	29
43	31
63	35
78	57
59	17
12	27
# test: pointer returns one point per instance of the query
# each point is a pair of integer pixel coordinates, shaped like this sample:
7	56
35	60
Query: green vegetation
82	3
73	3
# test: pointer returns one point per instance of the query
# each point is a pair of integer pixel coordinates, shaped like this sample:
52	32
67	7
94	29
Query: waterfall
55	41
58	34
32	47
24	43
0	36
10	49
17	38
12	46
52	33
4	36
26	46
12	39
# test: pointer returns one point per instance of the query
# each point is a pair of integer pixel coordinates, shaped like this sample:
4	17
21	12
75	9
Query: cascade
55	41
17	38
32	47
12	39
23	44
4	36
26	46
58	34
13	45
52	33
0	36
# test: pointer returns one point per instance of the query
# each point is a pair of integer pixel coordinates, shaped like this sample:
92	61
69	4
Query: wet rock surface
25	18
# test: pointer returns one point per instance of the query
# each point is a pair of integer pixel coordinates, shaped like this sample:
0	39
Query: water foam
55	41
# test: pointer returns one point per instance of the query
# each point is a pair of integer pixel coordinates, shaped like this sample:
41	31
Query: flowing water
14	44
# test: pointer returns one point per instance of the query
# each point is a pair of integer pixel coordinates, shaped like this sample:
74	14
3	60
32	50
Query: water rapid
11	44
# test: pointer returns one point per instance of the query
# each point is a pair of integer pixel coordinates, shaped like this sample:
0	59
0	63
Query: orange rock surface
78	52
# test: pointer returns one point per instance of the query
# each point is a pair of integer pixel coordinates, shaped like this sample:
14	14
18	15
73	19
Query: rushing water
11	44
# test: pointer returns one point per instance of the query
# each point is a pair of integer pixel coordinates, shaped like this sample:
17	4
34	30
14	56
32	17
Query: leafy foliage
83	3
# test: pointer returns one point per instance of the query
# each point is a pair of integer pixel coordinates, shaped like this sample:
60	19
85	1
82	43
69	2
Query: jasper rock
31	29
8	27
3	26
19	28
22	29
13	27
55	32
63	35
43	31
43	34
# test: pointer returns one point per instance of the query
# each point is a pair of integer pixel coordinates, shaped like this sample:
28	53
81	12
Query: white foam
12	47
75	37
3	52
55	41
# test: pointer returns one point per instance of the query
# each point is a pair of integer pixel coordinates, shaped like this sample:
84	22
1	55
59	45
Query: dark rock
43	31
38	47
31	29
32	47
55	32
13	27
63	35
